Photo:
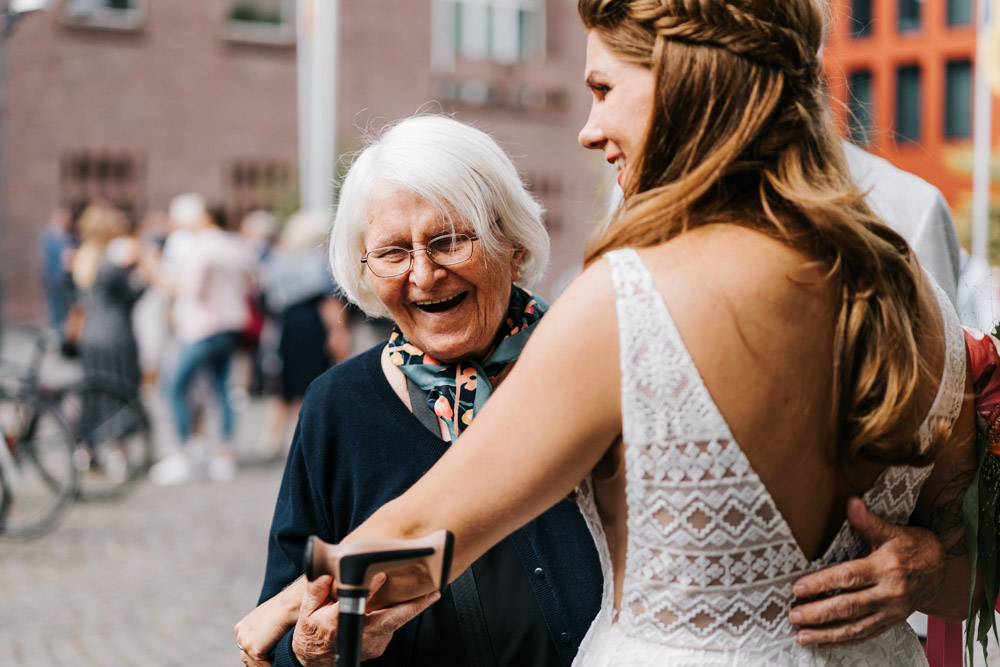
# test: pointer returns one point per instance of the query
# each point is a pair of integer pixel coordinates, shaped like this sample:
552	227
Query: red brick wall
188	101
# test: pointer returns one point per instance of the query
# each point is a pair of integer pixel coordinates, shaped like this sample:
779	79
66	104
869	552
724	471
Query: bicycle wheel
112	432
6	476
43	479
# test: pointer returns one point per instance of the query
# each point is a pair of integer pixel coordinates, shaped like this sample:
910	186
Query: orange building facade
901	78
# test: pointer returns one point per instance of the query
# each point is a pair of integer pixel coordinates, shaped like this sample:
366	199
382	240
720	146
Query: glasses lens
389	261
451	249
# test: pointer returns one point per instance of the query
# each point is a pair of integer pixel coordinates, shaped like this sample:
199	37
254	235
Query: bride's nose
591	135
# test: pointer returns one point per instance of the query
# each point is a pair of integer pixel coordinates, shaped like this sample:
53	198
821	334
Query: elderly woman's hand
315	640
903	573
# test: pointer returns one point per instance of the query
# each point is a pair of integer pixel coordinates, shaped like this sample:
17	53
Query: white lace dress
710	560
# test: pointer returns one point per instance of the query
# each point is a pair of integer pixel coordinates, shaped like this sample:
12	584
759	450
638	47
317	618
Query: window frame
965	20
950	96
446	38
916	136
860	28
858	109
262	32
109	18
908	24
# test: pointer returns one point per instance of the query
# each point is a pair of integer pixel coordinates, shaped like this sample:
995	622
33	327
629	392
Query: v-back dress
710	560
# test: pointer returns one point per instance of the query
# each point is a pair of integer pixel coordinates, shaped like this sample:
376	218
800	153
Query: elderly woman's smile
442	304
450	312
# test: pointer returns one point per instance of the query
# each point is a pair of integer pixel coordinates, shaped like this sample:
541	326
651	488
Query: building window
264	21
114	175
909	15
959	12
908	103
860	20
860	107
256	183
958	99
120	14
502	31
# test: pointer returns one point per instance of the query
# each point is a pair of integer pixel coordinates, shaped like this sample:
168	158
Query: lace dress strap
948	402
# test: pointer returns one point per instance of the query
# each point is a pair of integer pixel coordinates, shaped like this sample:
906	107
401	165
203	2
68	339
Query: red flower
984	357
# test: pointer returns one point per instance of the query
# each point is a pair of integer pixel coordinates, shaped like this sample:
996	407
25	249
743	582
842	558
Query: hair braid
731	27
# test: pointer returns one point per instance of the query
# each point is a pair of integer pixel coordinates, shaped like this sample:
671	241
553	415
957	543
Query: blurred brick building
139	100
901	72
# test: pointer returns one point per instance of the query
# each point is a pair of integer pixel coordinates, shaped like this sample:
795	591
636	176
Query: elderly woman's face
450	312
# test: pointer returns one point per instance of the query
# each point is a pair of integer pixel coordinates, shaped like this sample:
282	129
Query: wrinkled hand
904	572
315	639
258	632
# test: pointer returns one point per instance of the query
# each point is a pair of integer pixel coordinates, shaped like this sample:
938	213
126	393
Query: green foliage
979	514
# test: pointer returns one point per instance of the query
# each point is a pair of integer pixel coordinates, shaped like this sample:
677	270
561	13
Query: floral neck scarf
454	392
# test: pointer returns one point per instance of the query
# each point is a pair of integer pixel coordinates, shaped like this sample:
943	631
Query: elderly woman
435	230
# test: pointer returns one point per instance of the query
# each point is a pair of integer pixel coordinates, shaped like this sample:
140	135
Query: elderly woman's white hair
459	170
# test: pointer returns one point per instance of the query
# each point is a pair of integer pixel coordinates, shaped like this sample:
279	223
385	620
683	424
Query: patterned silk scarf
454	391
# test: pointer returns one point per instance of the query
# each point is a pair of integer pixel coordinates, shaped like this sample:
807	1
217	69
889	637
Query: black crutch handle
355	563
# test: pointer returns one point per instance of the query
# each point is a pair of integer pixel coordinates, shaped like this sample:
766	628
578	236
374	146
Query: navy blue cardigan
356	447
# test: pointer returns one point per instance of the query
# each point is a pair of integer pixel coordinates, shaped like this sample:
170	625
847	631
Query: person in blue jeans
210	311
55	246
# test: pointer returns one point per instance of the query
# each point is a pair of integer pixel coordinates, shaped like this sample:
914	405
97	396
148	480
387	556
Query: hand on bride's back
904	572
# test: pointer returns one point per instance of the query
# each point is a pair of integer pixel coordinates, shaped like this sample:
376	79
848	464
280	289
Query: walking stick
354	564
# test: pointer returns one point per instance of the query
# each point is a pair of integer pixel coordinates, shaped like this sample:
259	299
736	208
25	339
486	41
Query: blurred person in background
151	317
56	247
94	231
111	277
311	322
212	282
259	229
185	212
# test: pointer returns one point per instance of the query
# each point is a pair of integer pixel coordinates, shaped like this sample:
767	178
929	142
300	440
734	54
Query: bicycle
111	430
37	471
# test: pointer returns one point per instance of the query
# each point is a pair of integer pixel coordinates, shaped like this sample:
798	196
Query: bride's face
621	108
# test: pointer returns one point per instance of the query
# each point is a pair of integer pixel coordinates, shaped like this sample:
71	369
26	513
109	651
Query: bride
747	348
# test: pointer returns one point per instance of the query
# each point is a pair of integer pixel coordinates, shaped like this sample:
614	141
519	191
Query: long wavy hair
741	133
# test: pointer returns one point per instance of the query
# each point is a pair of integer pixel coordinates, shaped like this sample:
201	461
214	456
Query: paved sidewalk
157	578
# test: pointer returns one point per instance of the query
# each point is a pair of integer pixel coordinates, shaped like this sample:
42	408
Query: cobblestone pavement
157	578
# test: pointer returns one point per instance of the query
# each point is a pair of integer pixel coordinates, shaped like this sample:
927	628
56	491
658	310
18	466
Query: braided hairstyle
741	133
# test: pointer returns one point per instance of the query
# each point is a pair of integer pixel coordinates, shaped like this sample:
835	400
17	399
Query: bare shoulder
727	273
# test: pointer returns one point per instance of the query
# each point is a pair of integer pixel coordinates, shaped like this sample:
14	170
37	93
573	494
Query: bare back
758	321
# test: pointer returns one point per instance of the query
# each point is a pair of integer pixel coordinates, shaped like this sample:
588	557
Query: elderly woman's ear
516	262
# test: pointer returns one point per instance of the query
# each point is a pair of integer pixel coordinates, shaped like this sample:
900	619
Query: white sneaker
222	468
81	458
116	466
177	468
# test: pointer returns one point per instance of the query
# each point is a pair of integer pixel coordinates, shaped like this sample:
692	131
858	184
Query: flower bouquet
979	506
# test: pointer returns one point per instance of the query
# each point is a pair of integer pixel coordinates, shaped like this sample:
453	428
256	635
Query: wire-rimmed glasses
392	261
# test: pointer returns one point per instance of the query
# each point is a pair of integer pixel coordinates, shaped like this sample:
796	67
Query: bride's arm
539	435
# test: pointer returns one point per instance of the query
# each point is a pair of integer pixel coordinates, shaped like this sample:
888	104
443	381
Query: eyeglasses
446	250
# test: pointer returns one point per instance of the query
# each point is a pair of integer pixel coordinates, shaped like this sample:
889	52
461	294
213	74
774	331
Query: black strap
478	647
464	591
420	409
